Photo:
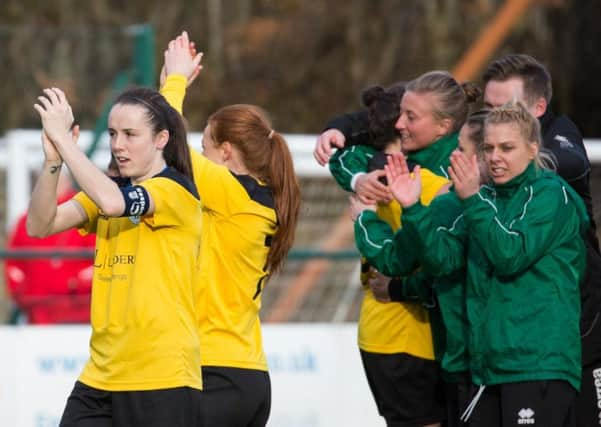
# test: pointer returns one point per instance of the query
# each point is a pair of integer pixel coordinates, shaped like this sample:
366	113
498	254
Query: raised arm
214	182
181	67
57	118
342	131
44	217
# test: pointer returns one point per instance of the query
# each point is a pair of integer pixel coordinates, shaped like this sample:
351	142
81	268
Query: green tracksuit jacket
444	295
525	259
348	162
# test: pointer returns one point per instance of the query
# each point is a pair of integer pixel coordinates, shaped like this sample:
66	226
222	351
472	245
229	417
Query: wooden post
490	38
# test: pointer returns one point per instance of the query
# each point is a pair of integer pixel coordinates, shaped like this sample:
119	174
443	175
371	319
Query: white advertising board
316	375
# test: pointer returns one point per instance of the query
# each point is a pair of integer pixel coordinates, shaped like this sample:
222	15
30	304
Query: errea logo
526	416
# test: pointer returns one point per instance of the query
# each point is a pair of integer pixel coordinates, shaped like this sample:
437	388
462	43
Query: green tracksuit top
348	162
444	294
525	259
423	224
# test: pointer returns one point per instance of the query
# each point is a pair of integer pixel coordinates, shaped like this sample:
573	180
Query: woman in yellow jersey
395	340
250	197
144	366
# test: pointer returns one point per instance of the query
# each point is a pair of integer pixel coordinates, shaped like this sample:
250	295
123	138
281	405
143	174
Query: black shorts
524	404
235	397
457	397
408	390
90	407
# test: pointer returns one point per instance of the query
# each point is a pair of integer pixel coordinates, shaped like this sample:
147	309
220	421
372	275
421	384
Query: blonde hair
516	113
453	99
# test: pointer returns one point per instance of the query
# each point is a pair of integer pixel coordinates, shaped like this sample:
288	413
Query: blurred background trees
302	60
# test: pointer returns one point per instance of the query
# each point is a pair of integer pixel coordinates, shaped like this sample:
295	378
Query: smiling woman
144	346
433	109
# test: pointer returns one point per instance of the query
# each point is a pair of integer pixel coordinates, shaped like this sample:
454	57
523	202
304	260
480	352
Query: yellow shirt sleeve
169	199
91	210
219	190
174	91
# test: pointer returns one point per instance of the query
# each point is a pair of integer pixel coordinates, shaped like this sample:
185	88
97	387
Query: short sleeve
173	204
91	211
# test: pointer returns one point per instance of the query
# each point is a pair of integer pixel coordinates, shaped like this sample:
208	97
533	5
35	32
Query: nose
494	155
401	122
116	142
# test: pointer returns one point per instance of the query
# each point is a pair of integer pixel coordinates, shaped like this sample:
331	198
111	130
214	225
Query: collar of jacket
546	120
508	188
436	154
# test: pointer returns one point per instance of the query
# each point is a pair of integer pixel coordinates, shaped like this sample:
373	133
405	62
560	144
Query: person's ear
540	107
161	139
534	150
444	126
226	150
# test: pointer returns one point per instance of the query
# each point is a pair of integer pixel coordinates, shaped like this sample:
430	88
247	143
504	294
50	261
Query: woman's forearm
94	182
42	206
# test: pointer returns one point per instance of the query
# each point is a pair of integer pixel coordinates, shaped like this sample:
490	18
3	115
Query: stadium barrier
315	371
21	155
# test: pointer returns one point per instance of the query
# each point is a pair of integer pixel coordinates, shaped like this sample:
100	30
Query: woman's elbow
35	229
112	206
112	209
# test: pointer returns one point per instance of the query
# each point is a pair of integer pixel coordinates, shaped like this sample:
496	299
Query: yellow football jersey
239	221
398	327
144	332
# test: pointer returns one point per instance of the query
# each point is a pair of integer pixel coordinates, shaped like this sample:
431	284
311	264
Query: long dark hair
163	116
266	155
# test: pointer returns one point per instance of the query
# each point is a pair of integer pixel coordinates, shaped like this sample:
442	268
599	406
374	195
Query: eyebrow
500	142
123	130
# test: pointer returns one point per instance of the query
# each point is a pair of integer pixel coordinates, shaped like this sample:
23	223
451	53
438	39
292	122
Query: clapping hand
405	186
181	58
57	119
465	174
